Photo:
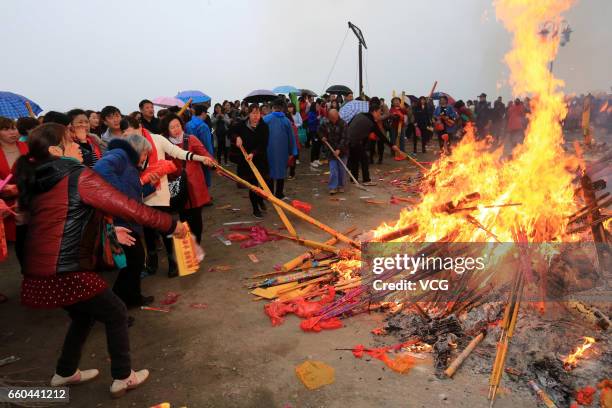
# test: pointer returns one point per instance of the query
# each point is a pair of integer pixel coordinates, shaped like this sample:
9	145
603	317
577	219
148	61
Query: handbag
179	189
100	248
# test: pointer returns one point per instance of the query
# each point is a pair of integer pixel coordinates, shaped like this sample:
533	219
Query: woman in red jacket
61	197
172	127
10	150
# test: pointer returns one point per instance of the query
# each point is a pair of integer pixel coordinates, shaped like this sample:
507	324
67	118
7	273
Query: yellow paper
315	374
272	292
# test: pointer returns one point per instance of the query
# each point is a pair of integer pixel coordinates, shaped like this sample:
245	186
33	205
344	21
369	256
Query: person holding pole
358	136
253	137
333	133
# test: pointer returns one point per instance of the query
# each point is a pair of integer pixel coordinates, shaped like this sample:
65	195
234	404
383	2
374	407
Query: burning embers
571	361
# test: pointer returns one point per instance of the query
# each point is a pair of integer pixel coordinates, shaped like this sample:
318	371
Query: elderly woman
62	197
120	167
162	148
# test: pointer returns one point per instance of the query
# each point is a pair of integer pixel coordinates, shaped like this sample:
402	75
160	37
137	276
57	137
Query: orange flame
538	174
346	268
571	361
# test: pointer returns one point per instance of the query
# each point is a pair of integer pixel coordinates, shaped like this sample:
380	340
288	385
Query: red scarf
153	154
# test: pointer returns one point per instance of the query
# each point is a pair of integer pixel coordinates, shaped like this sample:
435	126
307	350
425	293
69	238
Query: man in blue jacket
281	145
198	127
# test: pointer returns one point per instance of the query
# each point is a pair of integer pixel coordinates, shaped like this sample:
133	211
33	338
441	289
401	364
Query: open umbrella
437	95
286	89
339	90
307	92
13	105
167	101
260	96
352	108
195	96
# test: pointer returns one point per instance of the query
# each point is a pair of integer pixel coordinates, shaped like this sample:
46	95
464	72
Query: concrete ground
229	355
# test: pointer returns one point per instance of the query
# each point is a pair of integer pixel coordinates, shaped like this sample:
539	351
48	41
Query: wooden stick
264	185
309	243
433	88
185	106
288	207
402	232
407	156
306	283
452	368
344	165
301	259
29	108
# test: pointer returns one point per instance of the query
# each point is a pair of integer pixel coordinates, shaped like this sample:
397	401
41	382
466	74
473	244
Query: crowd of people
87	191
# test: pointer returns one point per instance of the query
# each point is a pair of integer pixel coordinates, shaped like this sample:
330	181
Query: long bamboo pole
288	207
185	106
29	108
407	156
264	185
309	243
305	257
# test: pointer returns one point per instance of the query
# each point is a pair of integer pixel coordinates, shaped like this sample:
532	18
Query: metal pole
360	70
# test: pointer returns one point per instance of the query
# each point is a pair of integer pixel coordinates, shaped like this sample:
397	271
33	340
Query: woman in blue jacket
120	166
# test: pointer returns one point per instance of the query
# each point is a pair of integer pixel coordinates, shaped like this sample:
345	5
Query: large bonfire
538	175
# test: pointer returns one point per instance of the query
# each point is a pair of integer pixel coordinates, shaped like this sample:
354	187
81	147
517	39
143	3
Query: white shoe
120	387
314	164
318	162
297	162
78	377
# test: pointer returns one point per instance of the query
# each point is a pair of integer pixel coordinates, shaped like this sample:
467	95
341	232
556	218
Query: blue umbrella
195	96
286	89
13	105
352	108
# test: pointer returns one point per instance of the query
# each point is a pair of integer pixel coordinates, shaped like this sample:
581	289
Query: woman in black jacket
423	118
253	136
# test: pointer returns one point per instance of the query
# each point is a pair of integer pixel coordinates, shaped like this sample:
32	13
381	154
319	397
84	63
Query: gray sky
73	53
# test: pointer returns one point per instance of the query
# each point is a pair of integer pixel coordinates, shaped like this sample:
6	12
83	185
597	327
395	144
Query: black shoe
152	263
257	214
143	301
263	206
131	321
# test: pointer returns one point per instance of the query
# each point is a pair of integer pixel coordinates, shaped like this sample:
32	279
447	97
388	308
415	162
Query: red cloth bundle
301	308
302	206
160	167
236	236
315	325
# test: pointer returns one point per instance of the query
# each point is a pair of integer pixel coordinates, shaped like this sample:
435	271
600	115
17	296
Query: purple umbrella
167	101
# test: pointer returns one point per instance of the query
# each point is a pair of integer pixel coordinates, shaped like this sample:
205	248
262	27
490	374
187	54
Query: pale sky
72	53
